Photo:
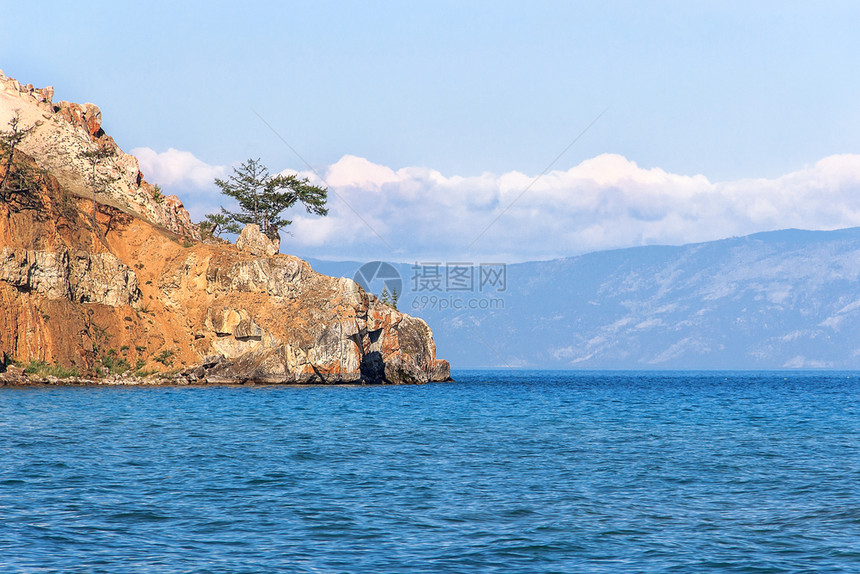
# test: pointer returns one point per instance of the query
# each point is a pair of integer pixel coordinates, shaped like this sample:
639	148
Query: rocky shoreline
16	377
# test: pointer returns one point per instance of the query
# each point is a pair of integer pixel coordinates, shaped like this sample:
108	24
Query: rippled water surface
498	472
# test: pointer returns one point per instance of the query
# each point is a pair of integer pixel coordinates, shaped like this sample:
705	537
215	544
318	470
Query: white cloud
604	202
352	170
175	167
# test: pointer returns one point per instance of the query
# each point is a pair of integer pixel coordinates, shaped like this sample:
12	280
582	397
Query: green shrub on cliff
165	357
389	299
115	365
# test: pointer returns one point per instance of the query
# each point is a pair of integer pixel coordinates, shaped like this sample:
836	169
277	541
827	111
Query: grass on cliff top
43	369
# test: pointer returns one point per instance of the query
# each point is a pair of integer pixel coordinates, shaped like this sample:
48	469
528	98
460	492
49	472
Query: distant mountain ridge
774	300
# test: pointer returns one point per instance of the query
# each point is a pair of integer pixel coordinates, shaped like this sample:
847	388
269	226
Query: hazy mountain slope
784	299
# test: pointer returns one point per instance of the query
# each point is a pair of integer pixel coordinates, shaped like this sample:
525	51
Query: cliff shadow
372	367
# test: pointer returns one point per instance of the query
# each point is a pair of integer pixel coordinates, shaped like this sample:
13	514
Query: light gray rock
81	277
253	241
247	329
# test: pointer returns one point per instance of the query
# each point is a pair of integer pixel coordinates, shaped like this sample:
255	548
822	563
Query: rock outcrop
254	242
80	277
102	283
63	136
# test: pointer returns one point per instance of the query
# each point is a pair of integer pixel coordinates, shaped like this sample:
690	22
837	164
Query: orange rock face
86	116
87	285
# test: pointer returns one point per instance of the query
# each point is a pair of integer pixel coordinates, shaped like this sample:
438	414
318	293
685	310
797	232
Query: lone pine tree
263	198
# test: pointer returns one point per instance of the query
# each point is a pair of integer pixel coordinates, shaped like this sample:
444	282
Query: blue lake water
502	471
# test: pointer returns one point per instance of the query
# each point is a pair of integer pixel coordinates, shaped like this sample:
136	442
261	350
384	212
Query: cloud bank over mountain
606	202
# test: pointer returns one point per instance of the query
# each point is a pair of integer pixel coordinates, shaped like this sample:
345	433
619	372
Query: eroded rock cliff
65	141
113	282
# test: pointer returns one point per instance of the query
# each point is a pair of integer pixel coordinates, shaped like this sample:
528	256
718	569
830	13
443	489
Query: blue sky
735	103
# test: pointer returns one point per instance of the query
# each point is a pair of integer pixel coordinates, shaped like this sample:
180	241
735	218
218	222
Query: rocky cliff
117	280
65	140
